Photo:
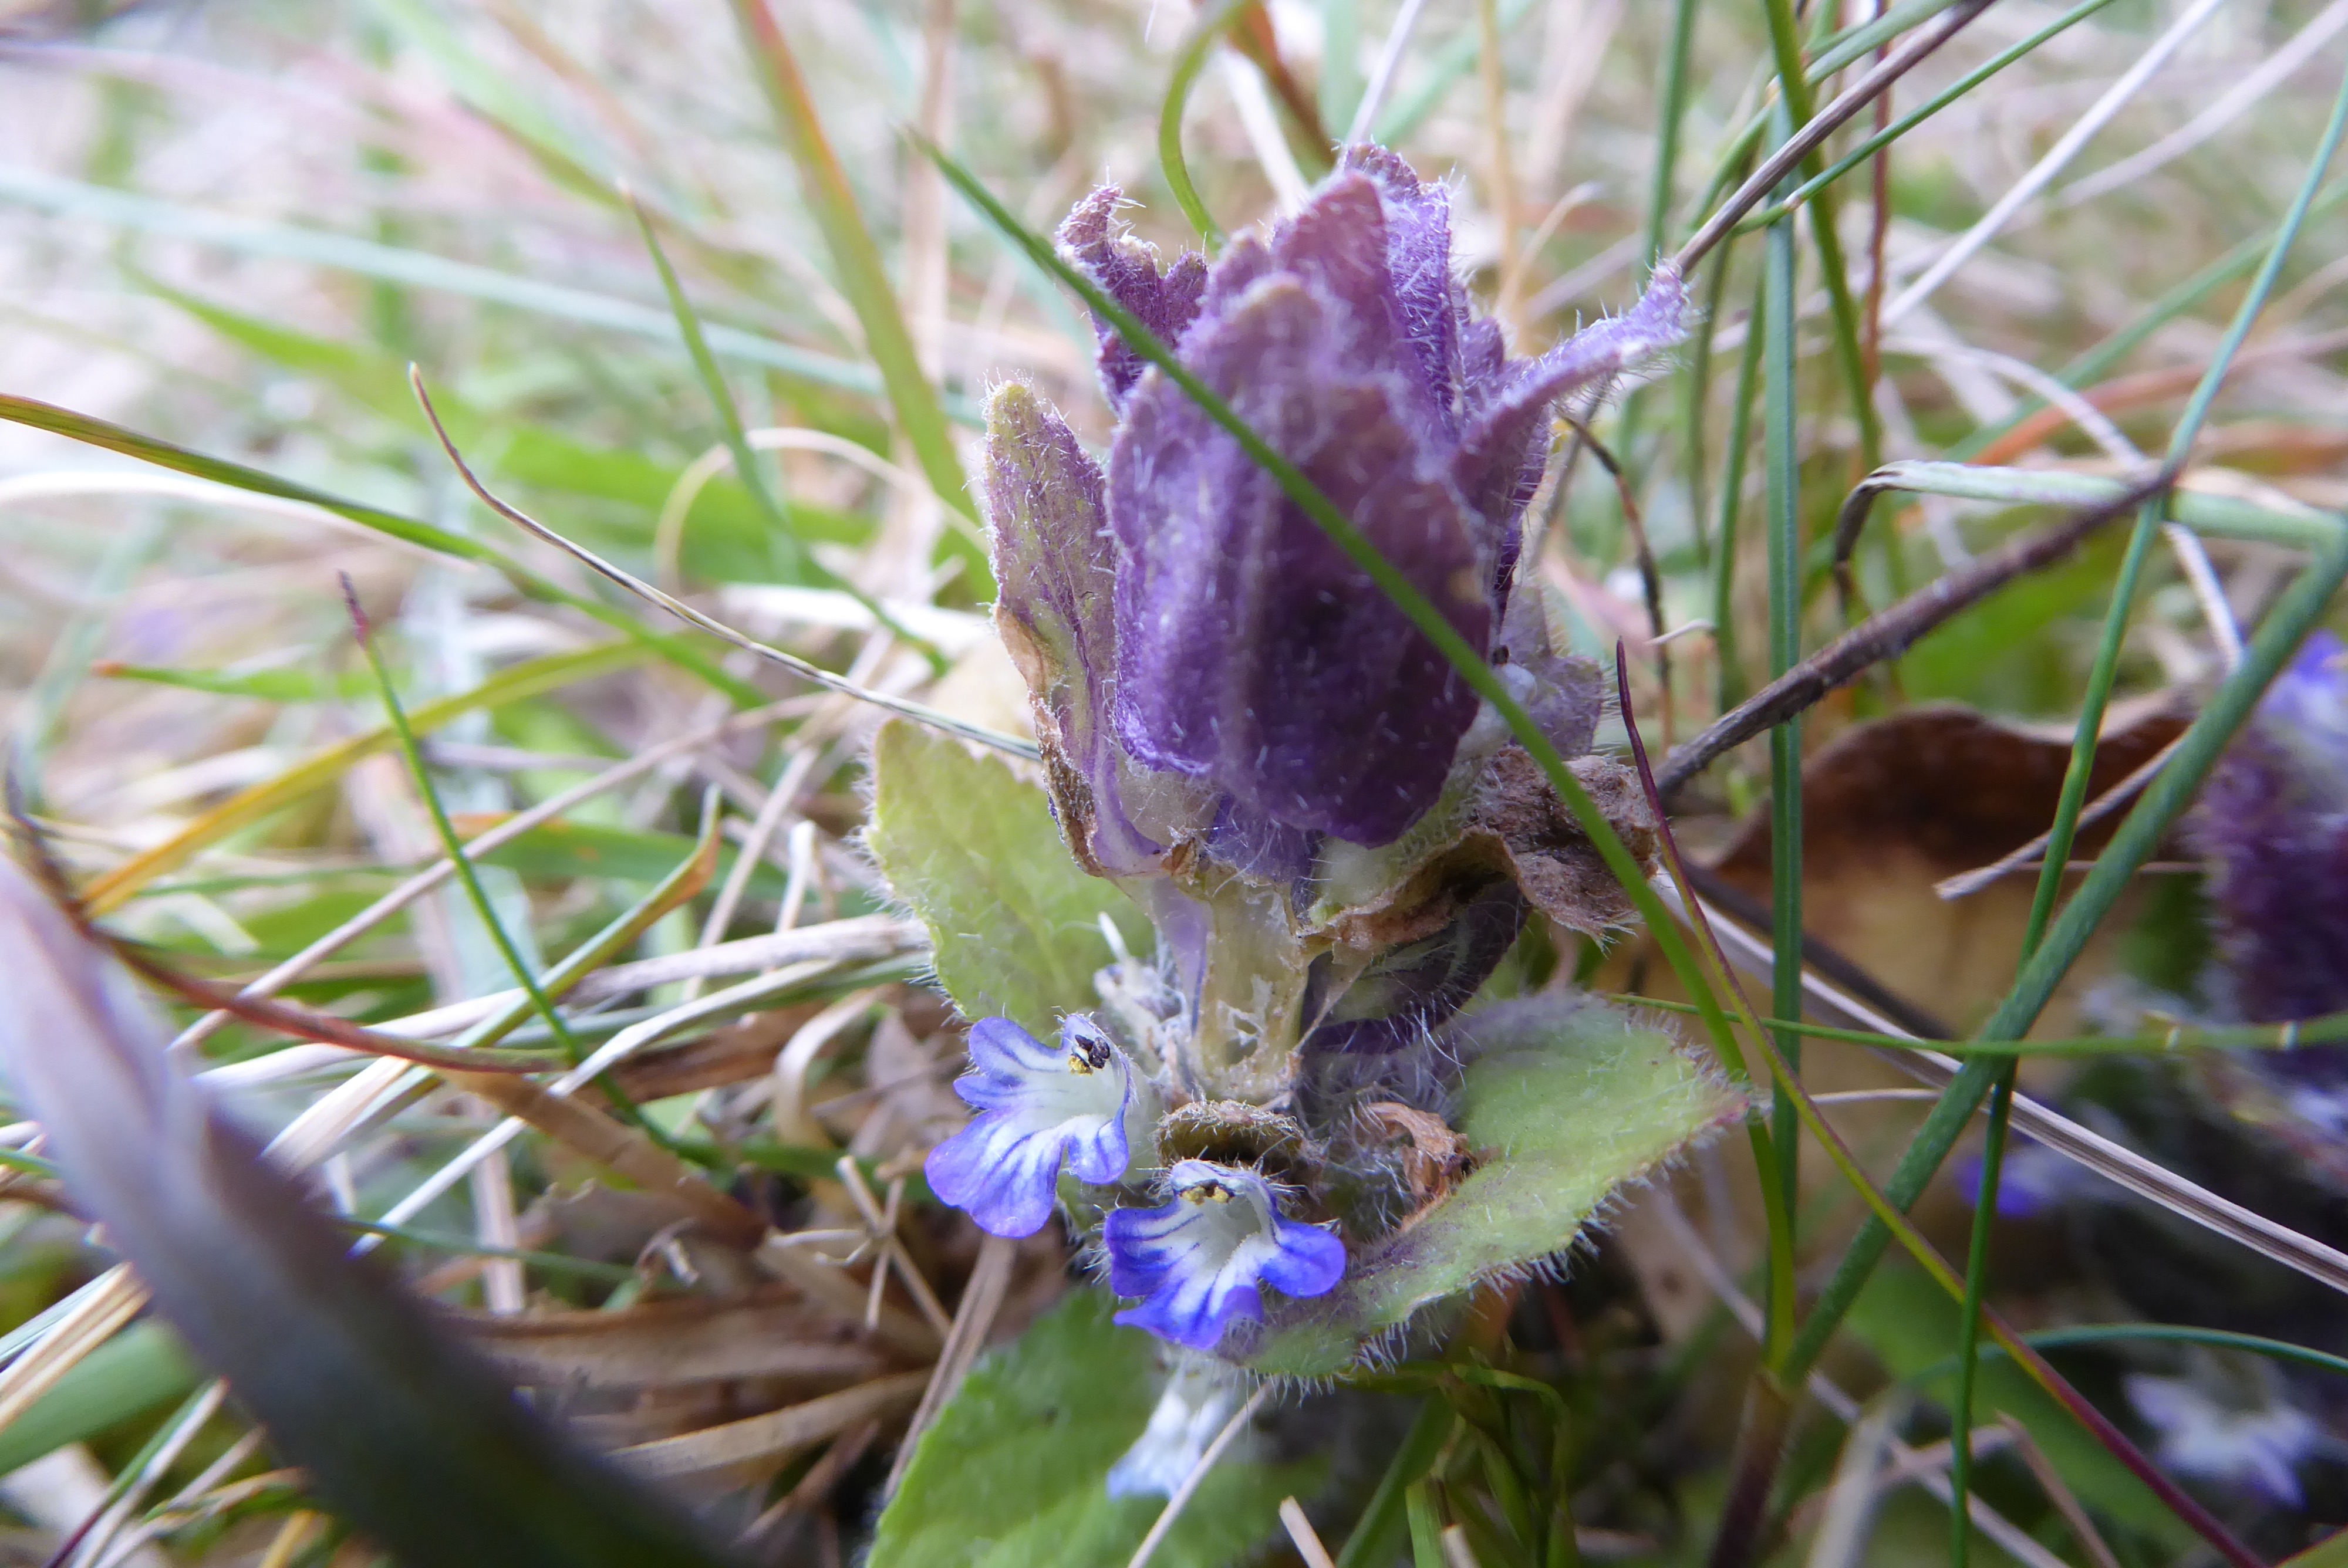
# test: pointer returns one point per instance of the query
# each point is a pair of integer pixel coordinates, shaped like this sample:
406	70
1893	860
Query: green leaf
130	1374
972	846
1015	1472
1566	1100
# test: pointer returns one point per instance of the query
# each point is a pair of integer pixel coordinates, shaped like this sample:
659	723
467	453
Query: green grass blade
468	877
748	467
863	278
1204	35
1378	1534
528	679
1969	1321
2164	1334
1916	117
420	269
1782	462
94	432
1793	97
756	477
2332	1029
1840	49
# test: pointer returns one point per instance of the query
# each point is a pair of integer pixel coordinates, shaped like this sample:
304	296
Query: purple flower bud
1201	1261
1081	1104
1127	269
1251	654
1053	564
2273	822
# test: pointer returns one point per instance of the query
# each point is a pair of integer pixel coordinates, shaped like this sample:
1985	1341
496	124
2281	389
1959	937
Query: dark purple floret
1252	654
2273	821
1127	269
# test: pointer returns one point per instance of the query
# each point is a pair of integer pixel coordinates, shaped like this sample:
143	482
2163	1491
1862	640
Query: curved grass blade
404	1430
755	475
528	679
453	847
93	432
1010	745
863	277
1197	46
2158	1333
2330	1029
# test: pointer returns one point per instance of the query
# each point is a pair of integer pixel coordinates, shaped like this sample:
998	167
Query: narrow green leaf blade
127	1375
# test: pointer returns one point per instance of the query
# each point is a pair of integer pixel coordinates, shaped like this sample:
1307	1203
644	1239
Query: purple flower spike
2273	821
1039	1107
1201	1261
1251	654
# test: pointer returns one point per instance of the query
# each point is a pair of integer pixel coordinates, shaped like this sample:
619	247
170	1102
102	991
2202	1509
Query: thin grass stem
1732	500
1782	462
451	844
1191	59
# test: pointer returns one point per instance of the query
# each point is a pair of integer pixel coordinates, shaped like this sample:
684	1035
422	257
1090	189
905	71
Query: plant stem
1783	461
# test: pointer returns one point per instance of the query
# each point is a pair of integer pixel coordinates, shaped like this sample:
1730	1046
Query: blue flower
1201	1260
1201	1395
2257	1450
1039	1107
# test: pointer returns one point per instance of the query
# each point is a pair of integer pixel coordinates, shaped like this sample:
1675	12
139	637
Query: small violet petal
1039	1109
1198	1262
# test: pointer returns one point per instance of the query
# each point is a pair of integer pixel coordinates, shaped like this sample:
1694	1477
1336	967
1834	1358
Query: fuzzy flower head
1079	1104
2274	825
1185	627
1200	1263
